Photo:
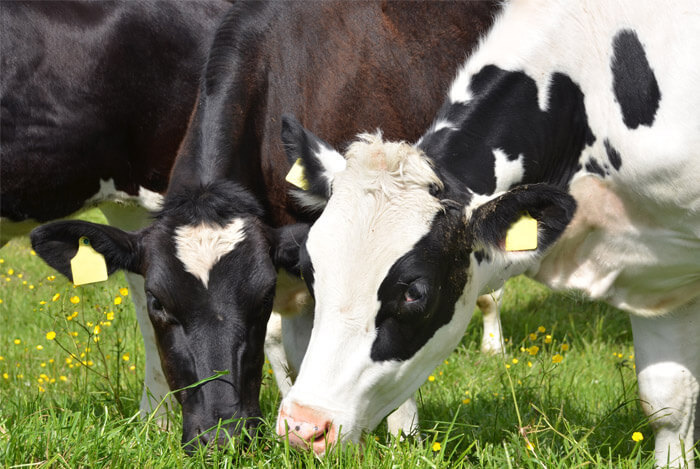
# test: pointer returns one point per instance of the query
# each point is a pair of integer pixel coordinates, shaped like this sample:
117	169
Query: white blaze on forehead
381	206
199	247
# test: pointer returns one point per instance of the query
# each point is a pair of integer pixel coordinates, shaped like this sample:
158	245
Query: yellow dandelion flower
530	446
564	347
41	389
96	330
31	287
75	299
43	364
96	339
51	335
42	302
431	378
17	341
126	358
446	362
20	375
515	361
110	316
548	339
1	358
533	350
541	329
69	360
132	367
20	276
90	363
2	261
637	436
63	378
40	347
557	358
6	376
52	380
40	380
51	278
56	297
0	301
118	300
533	336
7	279
529	364
24	282
32	252
74	333
436	446
123	291
10	271
51	360
466	400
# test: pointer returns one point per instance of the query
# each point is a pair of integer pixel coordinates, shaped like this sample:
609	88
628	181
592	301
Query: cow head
395	263
209	265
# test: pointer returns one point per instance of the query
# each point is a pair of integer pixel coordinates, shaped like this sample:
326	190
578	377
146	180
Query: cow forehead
199	247
380	208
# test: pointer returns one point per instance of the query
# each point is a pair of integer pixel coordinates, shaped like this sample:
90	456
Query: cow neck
513	114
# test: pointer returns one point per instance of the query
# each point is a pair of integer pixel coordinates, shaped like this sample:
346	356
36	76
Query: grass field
71	364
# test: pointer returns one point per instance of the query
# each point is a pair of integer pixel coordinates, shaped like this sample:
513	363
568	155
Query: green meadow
564	395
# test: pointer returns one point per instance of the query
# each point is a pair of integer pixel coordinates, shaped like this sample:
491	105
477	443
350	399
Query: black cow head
209	264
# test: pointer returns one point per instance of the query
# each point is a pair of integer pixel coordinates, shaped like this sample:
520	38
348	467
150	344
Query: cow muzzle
306	428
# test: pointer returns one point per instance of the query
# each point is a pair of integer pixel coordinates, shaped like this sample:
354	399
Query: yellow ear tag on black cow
88	265
296	176
522	235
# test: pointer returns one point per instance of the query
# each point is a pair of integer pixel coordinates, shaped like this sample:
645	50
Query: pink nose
306	428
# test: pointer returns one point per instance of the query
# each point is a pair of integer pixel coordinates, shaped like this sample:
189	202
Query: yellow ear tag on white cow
88	265
522	235
296	176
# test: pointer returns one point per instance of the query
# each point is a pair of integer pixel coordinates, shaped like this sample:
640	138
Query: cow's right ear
319	161
57	243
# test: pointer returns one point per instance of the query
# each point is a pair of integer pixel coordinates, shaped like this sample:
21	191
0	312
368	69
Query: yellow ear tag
88	265
522	236
297	177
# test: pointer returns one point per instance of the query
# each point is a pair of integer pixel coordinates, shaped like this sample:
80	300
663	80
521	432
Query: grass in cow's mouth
564	394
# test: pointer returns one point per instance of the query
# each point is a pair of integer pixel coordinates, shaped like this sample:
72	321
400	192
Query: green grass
481	411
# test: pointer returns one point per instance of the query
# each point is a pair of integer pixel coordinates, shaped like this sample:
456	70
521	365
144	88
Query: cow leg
492	340
155	387
668	368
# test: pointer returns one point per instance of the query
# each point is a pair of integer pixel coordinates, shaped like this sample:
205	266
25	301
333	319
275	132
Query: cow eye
415	292
153	302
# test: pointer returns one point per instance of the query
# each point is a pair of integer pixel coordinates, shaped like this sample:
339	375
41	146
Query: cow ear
314	164
287	242
491	223
57	243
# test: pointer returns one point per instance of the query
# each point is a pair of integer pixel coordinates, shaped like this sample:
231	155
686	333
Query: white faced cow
583	115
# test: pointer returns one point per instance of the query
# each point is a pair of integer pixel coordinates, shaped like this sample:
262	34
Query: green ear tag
88	265
522	235
297	177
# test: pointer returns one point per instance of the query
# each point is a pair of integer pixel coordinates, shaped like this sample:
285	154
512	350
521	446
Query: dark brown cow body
211	256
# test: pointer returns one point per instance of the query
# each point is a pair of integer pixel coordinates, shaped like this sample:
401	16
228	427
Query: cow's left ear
313	161
286	244
491	223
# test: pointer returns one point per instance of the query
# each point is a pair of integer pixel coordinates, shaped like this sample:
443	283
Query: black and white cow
226	226
583	115
95	99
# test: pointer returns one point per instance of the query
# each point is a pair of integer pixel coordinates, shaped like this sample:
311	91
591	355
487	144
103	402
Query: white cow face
395	270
